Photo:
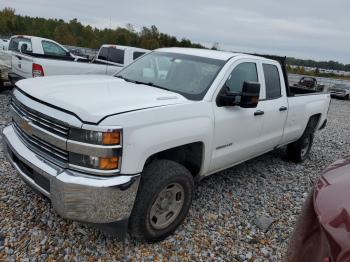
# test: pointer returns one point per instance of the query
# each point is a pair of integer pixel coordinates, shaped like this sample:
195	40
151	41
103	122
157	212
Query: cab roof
32	37
214	54
124	47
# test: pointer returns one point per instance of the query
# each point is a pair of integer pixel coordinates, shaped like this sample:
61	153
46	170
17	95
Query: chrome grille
41	120
41	147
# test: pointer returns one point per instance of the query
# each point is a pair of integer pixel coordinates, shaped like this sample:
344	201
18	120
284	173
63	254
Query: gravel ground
221	225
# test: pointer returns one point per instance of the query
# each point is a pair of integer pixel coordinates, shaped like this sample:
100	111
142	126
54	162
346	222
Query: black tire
155	178
346	97
298	151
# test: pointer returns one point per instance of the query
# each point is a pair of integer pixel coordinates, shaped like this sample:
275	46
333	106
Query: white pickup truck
36	56
124	152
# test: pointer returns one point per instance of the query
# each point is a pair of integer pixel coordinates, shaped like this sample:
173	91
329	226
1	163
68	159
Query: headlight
111	137
95	162
99	151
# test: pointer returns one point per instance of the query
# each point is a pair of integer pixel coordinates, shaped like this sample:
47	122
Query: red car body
322	233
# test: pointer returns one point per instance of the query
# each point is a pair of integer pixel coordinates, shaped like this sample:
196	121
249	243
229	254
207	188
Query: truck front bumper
74	195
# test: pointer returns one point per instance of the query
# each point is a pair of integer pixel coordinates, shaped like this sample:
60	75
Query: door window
244	72
137	55
53	49
272	81
112	54
116	55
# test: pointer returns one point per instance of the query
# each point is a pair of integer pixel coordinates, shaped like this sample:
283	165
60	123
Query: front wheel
163	200
299	150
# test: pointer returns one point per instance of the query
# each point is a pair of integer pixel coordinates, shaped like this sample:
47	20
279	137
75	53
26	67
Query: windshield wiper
142	83
126	79
151	84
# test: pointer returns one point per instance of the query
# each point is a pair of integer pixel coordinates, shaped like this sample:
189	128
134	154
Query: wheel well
312	124
189	155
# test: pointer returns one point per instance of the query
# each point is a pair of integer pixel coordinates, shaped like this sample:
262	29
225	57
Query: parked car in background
78	52
340	91
308	82
118	55
124	151
322	232
4	43
5	58
5	61
35	57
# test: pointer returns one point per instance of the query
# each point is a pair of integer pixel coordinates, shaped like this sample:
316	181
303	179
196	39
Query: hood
93	97
332	206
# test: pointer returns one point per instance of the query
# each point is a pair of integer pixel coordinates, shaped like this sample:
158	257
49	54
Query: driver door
238	131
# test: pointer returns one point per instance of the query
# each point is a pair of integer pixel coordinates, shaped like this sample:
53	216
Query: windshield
188	75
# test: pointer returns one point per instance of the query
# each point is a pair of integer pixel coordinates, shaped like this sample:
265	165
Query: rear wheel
299	150
346	97
163	200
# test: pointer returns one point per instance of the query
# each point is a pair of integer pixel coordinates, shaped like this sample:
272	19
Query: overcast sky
305	29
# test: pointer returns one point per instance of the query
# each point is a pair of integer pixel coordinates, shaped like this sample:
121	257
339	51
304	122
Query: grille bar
41	120
42	147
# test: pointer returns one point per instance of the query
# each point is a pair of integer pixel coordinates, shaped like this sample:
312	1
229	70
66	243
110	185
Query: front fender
147	132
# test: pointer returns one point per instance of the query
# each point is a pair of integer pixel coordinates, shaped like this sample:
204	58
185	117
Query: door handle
259	113
283	108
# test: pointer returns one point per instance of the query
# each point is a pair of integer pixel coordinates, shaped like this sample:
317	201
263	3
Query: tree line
76	34
300	70
331	65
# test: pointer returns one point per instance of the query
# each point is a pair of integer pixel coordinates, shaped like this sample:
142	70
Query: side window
241	73
272	81
51	48
112	54
137	55
103	53
116	55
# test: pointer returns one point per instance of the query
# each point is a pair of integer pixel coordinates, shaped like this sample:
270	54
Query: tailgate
22	64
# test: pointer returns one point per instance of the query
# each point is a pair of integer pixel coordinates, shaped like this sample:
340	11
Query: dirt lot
222	224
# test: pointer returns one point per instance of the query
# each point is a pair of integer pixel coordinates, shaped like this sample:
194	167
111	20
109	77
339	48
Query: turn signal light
107	163
111	138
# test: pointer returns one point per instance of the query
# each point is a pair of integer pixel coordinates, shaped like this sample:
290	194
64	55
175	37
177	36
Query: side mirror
226	98
250	95
68	54
248	98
